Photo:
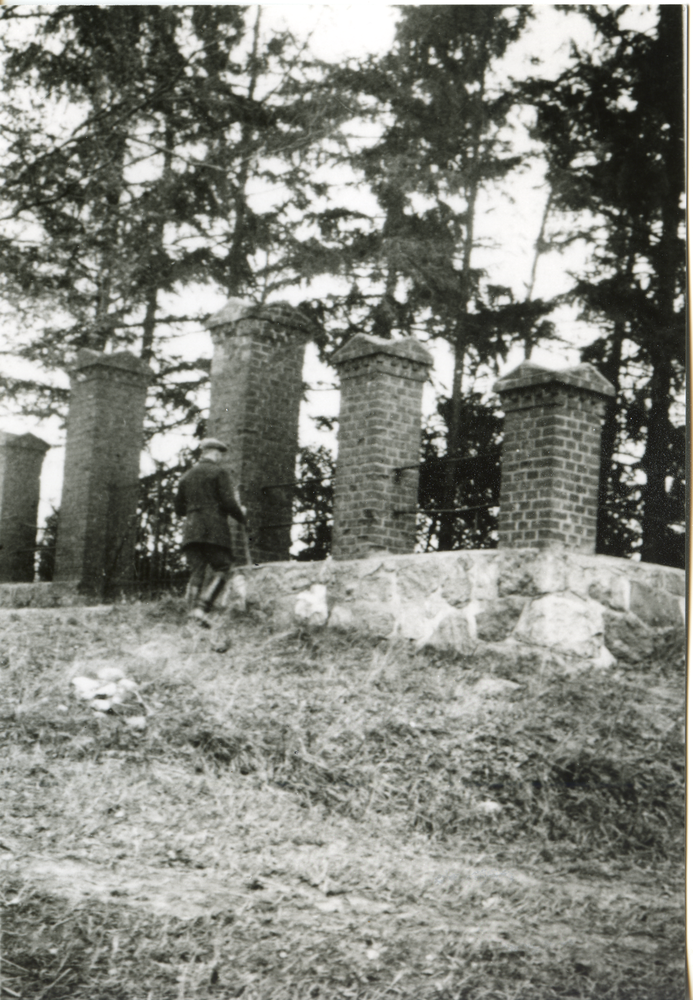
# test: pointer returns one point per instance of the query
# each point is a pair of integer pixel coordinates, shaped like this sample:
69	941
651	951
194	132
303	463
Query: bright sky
339	31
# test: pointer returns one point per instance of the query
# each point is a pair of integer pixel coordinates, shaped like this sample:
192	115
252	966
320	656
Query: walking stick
244	530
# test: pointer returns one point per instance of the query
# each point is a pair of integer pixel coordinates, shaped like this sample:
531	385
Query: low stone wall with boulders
560	609
42	595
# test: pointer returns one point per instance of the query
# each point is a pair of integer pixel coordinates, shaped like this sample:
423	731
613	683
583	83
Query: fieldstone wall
516	607
21	458
256	392
20	596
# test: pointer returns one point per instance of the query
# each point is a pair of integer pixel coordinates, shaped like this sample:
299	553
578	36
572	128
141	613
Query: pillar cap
234	310
28	441
87	358
281	314
363	344
528	374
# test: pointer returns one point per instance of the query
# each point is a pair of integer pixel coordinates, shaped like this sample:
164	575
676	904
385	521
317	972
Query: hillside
308	814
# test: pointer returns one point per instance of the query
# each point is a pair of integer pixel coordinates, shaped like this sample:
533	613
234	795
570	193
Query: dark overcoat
205	498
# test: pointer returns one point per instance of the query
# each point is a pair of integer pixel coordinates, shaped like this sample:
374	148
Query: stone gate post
376	486
551	456
21	458
257	387
96	526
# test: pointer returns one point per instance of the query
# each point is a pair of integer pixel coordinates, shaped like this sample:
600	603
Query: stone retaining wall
541	608
43	595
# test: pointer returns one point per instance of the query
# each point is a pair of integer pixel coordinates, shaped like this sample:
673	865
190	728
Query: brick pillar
379	434
96	526
257	388
21	458
551	456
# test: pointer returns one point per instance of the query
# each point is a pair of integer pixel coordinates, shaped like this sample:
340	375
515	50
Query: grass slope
313	815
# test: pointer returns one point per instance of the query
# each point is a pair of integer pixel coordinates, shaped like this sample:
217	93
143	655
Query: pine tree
137	139
613	129
411	271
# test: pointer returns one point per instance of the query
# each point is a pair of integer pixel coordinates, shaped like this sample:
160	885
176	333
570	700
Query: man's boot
192	595
200	616
212	591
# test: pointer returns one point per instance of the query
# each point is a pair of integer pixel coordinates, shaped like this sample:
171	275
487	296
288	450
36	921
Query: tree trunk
667	262
446	536
611	371
655	465
236	255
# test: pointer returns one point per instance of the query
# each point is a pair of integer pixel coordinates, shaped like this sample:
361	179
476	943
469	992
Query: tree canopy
612	126
153	156
138	137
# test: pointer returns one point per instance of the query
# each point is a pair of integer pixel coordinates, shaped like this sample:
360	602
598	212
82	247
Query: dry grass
313	815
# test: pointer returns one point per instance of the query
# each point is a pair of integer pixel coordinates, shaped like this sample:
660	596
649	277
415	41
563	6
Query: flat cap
211	443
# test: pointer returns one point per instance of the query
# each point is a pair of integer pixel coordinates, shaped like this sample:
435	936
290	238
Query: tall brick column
96	526
379	437
551	456
21	458
257	387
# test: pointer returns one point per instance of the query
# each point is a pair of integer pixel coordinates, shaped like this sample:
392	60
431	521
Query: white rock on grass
110	674
487	807
136	722
119	696
495	687
85	687
103	670
157	651
103	699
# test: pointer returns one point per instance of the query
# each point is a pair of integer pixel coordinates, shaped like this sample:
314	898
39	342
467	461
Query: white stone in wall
484	576
453	631
610	589
604	659
413	622
563	622
602	578
341	617
657	608
311	605
549	573
416	583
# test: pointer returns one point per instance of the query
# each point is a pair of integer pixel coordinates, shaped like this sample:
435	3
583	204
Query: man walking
205	498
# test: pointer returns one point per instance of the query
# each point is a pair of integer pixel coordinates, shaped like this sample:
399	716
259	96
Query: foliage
46	547
137	139
444	141
159	563
314	497
612	126
441	141
477	476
